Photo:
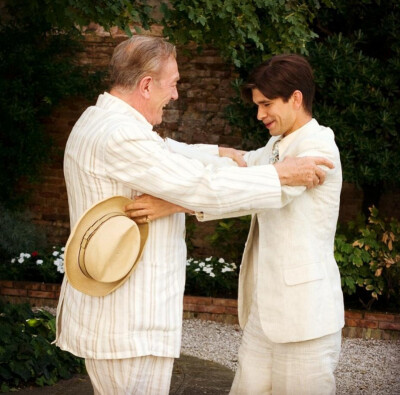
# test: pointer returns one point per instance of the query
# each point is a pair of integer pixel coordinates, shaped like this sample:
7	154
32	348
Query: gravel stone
366	367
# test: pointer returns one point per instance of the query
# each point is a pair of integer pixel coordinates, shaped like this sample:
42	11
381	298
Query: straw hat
104	247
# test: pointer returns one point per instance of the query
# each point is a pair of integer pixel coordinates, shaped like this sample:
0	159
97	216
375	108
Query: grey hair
137	57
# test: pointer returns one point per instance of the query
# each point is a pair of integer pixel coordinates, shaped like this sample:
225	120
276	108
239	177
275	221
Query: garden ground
210	357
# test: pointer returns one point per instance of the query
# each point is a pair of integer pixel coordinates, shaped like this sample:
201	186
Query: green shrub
230	236
26	353
211	277
368	256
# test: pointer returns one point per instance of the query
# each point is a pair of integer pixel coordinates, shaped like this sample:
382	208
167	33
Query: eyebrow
262	101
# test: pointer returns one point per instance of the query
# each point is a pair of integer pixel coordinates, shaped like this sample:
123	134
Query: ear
145	86
297	98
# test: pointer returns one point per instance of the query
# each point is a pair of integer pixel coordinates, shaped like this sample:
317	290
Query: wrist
282	174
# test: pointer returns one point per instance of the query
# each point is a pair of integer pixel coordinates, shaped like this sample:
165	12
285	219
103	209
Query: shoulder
318	138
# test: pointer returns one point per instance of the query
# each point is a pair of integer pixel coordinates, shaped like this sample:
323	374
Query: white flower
197	270
27	255
21	260
39	262
221	260
59	262
202	264
13	260
60	269
55	253
212	275
62	248
208	259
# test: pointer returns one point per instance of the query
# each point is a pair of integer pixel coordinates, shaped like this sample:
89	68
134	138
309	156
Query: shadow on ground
191	376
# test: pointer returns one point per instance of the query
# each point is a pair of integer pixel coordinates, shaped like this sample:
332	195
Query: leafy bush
369	260
26	353
230	236
211	277
18	233
357	97
35	266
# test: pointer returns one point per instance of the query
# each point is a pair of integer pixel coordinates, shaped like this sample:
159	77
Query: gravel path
368	367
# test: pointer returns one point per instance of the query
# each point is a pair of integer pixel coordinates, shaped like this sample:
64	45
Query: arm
208	153
143	163
147	208
291	170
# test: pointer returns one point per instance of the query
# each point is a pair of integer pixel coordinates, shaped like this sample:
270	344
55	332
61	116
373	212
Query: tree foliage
245	32
357	67
354	47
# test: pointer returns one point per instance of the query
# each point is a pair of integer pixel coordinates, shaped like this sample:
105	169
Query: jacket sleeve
309	147
205	153
148	166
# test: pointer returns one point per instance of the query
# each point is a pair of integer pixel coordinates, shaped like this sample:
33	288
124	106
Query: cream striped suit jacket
112	150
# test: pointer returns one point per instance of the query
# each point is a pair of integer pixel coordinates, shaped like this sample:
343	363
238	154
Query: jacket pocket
303	274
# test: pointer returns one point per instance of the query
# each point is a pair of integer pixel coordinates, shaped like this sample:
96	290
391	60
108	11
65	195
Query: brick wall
197	117
362	324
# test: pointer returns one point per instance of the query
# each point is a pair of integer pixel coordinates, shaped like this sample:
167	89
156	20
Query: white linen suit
297	284
112	150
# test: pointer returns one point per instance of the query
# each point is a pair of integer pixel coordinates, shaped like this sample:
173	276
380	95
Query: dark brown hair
279	77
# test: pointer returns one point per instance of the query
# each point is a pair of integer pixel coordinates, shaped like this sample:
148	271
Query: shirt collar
111	102
284	142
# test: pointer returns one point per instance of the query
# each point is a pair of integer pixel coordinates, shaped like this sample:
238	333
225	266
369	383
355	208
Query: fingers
320	161
234	154
320	174
240	161
137	213
142	220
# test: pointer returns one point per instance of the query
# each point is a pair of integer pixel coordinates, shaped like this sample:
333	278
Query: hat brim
74	274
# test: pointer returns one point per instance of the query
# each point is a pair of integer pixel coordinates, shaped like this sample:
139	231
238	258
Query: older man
130	337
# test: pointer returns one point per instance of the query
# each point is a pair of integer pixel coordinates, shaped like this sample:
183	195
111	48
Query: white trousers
301	368
148	375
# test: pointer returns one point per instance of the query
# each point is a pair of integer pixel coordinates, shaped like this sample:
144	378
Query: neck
130	97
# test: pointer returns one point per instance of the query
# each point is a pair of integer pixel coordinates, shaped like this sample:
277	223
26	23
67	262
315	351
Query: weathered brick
6	284
14	291
368	324
395	326
379	317
197	300
42	294
225	302
352	322
354	314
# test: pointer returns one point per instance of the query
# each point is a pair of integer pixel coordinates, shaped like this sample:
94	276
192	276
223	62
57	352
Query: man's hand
234	154
147	208
302	171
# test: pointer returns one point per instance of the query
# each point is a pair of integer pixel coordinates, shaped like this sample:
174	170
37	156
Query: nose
174	95
261	113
